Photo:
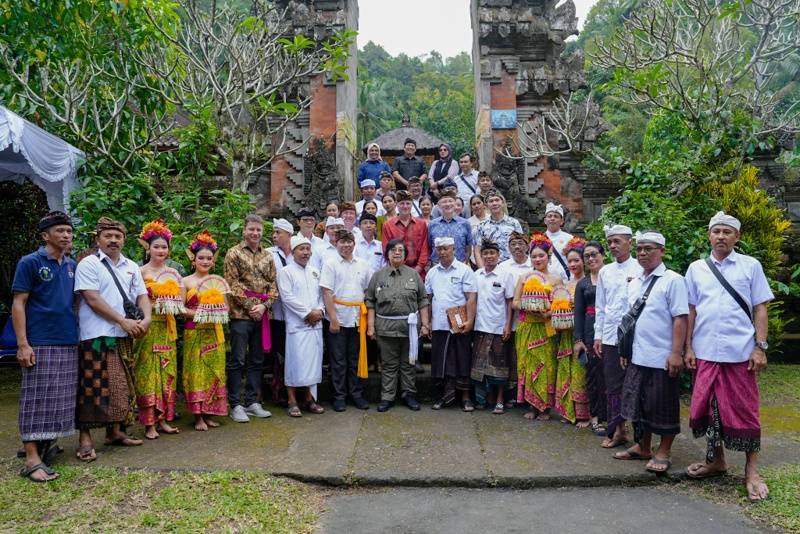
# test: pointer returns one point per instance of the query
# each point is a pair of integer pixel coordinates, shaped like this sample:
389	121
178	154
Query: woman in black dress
584	335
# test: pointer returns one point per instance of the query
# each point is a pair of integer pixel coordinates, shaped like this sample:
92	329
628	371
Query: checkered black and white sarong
47	400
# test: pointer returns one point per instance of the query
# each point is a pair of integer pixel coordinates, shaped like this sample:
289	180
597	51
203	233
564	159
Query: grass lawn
102	499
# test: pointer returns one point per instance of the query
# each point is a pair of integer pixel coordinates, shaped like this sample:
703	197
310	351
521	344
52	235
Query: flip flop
614	443
598	429
630	454
86	454
666	462
313	407
707	474
28	472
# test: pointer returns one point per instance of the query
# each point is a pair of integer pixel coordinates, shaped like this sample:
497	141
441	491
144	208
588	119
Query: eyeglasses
590	255
443	150
645	250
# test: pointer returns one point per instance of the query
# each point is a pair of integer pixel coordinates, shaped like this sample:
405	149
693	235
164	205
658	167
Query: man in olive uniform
396	304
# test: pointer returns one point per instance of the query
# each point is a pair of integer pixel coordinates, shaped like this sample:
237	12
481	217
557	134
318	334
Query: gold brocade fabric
246	270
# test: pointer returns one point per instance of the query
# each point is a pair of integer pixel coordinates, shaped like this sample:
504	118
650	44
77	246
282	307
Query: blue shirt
49	313
458	228
371	170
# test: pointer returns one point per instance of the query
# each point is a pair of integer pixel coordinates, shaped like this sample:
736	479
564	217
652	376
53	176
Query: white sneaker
239	415
256	410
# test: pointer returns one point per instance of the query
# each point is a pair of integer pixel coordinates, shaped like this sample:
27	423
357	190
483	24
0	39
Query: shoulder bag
735	294
627	326
132	311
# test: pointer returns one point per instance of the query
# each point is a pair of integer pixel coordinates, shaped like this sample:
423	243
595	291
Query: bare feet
167	429
200	424
544	416
530	416
616	441
150	432
210	422
756	488
582	424
703	470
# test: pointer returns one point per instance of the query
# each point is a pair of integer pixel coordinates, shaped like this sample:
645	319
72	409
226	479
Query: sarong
536	362
204	370
278	354
490	364
155	368
451	358
47	398
725	407
614	376
103	385
651	400
571	401
595	385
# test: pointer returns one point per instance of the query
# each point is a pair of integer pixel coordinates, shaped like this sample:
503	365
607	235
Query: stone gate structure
519	70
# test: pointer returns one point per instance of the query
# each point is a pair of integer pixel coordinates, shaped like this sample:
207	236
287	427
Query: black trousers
344	364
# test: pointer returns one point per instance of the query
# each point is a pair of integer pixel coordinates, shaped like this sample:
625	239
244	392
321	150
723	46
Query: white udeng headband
444	242
723	218
617	229
650	237
551	207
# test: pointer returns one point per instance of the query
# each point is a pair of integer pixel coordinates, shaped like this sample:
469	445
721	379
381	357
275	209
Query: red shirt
414	236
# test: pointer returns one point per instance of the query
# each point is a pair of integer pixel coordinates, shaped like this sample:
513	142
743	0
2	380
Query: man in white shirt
368	248
343	282
727	350
466	181
368	194
518	265
651	391
452	284
491	355
307	220
301	298
554	219
281	250
610	305
106	332
332	227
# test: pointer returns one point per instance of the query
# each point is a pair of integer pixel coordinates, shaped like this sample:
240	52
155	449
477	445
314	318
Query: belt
266	338
413	335
363	371
590	310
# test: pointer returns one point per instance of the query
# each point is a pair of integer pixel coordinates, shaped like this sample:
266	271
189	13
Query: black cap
54	218
368	217
306	212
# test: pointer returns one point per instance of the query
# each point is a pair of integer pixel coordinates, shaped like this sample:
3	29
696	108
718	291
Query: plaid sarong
47	399
104	395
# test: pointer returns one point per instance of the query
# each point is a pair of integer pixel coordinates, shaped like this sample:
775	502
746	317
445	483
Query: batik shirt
248	270
498	232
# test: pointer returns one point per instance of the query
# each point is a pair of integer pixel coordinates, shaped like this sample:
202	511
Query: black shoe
439	404
411	402
339	406
418	367
384	406
361	404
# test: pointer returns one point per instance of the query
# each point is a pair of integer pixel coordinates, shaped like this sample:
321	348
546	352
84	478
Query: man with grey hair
726	347
651	391
611	304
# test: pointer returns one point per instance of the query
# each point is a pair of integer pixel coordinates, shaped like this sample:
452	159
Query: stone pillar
518	69
328	125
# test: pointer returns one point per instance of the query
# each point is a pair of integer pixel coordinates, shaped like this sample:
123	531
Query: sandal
599	429
611	443
630	454
86	454
499	409
315	408
28	472
691	472
294	410
664	463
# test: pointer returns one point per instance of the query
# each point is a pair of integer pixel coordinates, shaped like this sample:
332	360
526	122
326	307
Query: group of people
512	319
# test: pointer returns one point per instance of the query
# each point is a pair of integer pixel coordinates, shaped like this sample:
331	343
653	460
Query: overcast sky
416	27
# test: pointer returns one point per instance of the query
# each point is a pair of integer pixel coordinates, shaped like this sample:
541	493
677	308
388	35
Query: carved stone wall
331	119
519	64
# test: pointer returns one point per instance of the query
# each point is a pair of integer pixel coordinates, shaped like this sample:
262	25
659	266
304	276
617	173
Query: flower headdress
153	229
540	240
576	243
203	240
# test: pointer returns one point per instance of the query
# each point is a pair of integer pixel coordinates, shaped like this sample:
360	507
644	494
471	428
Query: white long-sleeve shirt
611	301
300	294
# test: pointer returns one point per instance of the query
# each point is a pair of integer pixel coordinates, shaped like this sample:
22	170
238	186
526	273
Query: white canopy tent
48	161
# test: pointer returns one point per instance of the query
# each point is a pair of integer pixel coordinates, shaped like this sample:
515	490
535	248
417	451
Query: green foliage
438	94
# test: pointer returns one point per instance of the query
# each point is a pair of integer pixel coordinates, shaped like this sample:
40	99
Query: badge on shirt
45	274
454	279
497	284
315	274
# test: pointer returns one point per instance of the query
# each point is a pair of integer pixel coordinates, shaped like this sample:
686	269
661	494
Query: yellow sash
363	371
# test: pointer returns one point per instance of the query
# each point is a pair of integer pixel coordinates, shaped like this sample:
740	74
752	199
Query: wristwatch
763	345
